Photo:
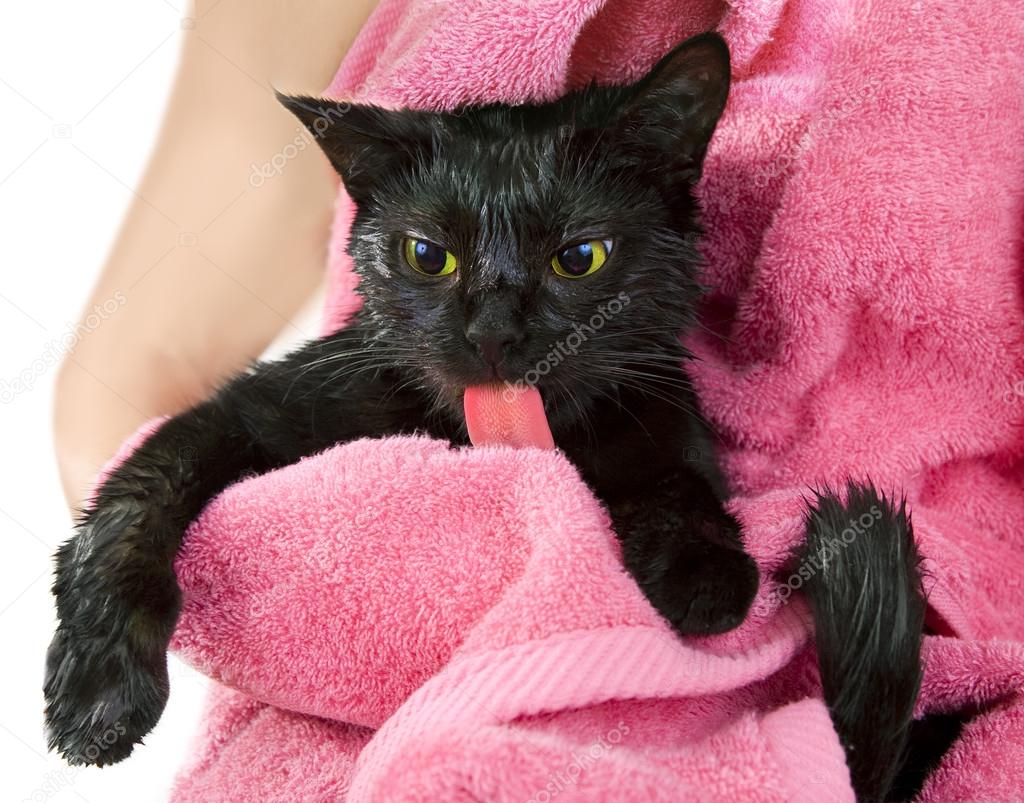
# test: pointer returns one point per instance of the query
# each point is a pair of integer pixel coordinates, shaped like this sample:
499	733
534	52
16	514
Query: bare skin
210	263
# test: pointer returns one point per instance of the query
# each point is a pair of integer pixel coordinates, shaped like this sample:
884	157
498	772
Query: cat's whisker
632	368
621	333
580	409
644	386
724	338
614	401
651	358
348	372
347	355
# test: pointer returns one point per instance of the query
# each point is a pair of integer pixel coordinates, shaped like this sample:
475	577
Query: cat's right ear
363	143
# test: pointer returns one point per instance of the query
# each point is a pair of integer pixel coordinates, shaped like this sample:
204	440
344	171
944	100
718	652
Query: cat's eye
428	258
581	259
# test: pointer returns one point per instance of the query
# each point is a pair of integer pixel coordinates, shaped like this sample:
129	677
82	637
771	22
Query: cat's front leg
685	552
117	596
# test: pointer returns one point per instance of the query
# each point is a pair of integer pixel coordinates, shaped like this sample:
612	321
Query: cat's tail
862	579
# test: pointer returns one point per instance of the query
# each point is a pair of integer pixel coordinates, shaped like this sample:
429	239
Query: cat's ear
364	143
672	112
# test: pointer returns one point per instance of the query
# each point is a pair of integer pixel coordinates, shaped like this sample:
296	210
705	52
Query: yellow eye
581	259
428	258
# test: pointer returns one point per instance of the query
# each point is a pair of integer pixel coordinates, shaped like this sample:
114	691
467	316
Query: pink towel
382	636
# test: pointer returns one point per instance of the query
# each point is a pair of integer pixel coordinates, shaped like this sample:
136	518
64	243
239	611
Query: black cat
484	240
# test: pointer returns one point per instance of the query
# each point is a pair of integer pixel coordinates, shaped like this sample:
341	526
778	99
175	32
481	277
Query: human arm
207	267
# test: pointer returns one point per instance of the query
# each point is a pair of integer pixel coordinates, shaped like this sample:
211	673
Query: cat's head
550	243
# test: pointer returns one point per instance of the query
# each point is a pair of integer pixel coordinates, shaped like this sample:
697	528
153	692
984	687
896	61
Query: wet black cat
551	243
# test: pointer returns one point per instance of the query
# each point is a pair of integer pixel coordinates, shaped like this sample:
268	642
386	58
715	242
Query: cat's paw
117	603
706	591
689	562
694	571
101	696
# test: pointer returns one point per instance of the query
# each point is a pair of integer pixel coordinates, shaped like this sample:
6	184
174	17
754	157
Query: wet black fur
864	588
503	188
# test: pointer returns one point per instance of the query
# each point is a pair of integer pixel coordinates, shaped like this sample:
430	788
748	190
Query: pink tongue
502	413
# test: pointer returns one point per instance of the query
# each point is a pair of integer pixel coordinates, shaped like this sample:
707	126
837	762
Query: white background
82	89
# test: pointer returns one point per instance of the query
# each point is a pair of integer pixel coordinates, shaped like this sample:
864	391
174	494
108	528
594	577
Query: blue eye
428	258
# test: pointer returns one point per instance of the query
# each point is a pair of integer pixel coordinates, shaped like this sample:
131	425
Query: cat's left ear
672	112
363	143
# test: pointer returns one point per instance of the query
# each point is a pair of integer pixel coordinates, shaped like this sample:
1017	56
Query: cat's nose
493	343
